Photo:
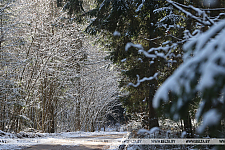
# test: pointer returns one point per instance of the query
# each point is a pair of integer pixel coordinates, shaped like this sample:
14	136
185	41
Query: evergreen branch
210	23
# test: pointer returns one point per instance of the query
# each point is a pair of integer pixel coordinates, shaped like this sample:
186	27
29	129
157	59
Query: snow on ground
20	140
87	134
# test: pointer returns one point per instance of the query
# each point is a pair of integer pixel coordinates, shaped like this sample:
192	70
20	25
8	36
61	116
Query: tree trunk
92	126
188	126
78	124
153	119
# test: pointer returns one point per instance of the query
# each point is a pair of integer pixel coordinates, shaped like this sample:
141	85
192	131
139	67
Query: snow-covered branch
142	80
203	73
209	22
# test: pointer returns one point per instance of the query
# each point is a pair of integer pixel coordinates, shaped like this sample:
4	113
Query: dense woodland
52	77
70	64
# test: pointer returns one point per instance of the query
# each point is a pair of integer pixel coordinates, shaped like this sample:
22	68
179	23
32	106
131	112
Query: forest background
53	79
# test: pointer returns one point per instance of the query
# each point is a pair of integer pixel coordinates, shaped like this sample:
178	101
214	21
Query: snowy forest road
88	142
61	147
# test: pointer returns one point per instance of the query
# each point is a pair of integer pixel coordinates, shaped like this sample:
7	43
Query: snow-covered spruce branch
129	45
203	73
153	39
147	53
219	16
142	80
206	23
141	50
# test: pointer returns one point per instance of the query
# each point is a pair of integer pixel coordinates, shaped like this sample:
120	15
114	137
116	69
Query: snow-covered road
67	140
